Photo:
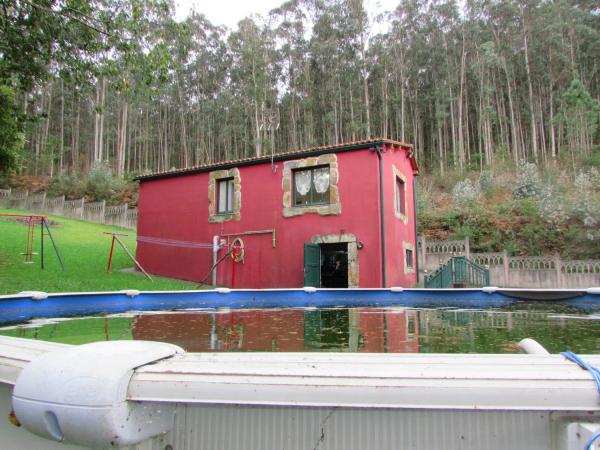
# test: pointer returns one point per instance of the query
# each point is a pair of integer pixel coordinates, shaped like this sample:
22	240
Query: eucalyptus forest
124	84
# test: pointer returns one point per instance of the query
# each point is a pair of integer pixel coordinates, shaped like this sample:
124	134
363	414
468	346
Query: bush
465	193
552	206
586	207
69	186
528	181
487	181
99	184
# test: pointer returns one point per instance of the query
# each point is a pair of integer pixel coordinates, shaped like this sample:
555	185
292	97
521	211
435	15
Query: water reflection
369	330
342	330
345	330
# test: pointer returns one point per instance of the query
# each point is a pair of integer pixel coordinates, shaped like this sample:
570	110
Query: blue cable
596	375
584	365
590	443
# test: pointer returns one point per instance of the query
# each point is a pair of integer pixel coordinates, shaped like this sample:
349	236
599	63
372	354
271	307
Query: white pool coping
375	380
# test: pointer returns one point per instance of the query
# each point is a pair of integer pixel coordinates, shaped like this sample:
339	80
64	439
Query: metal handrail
458	270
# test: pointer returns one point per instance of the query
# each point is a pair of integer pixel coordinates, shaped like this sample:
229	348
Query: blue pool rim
31	305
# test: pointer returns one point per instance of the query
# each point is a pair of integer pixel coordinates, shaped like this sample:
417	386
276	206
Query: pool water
393	329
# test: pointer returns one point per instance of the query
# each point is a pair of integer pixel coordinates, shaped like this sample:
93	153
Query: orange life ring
237	250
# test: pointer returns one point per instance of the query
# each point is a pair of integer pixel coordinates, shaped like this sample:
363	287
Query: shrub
552	206
487	181
528	181
70	186
99	184
465	193
586	206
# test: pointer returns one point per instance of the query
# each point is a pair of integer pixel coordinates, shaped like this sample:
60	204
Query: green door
312	265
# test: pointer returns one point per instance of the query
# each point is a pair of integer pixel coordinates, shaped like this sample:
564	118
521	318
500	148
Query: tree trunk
534	143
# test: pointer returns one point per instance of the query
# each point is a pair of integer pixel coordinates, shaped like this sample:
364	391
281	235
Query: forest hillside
121	82
95	92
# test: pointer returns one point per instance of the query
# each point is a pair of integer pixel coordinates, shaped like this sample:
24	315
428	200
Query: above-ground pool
29	305
365	369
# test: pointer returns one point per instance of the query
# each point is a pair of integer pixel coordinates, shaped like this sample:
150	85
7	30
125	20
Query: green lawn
84	250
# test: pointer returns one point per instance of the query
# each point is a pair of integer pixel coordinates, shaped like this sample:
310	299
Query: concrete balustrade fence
119	215
73	209
512	271
18	199
94	211
115	215
54	205
35	202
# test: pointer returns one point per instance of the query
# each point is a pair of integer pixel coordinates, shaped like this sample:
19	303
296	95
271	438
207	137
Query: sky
230	12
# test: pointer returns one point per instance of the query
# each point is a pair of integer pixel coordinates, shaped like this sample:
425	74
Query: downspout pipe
379	151
416	249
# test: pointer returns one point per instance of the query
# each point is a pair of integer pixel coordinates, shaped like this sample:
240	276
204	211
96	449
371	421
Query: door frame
343	238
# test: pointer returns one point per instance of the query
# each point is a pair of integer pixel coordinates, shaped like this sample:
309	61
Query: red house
334	216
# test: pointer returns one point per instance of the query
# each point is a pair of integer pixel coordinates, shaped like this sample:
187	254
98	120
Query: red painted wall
396	231
177	208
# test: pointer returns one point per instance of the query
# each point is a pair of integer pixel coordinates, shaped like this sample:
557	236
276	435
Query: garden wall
551	272
119	215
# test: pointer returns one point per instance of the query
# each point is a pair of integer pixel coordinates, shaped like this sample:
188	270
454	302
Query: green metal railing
458	271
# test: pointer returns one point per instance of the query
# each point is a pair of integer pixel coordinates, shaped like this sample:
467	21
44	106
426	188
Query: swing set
32	220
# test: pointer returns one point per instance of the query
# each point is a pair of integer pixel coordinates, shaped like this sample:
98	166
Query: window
411	326
401	205
225	189
311	186
408	254
400	197
224	195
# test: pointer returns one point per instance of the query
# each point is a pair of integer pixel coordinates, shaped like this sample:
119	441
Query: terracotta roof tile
281	156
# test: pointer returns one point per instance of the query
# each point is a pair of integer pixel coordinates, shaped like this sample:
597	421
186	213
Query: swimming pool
360	330
255	385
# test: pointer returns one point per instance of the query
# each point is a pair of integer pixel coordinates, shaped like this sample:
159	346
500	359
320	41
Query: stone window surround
398	214
213	177
343	238
333	208
411	247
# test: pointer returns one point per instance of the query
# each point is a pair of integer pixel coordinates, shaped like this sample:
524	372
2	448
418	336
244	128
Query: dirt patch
24	220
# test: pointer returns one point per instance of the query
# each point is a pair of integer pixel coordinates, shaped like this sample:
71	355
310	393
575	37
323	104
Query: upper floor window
225	190
311	186
400	196
224	195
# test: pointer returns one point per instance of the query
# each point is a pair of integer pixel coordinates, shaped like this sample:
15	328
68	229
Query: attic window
311	186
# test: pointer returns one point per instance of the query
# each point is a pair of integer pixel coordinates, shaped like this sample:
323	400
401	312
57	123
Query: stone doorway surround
343	238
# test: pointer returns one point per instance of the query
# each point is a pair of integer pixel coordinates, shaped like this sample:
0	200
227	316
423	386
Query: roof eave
282	157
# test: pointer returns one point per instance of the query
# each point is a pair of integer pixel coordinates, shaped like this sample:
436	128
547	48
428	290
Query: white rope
173	242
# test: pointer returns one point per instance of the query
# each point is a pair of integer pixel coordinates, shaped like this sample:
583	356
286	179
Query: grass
84	250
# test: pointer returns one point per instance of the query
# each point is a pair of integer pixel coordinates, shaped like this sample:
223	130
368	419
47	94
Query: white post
215	249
